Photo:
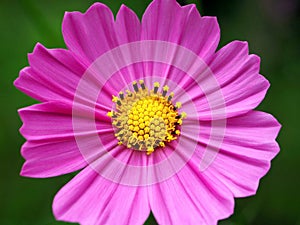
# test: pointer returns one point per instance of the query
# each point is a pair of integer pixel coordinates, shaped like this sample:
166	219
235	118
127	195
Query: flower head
155	117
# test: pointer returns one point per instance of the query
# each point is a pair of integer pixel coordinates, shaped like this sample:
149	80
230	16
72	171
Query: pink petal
51	148
128	29
51	159
165	20
237	73
127	26
49	121
52	75
91	34
191	197
245	154
90	199
128	167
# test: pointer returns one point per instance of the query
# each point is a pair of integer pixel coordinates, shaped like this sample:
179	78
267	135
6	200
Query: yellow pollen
114	98
145	120
110	114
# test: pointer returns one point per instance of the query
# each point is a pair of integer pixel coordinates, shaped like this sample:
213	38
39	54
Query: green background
270	26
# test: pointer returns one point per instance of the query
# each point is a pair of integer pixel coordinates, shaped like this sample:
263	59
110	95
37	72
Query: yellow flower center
145	120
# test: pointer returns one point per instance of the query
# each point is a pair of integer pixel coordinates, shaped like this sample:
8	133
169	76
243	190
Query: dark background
270	26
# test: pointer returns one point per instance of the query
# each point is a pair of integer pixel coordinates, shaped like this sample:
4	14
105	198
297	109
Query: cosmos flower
151	113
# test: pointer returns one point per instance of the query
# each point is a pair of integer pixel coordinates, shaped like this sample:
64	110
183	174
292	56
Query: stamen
156	86
170	96
165	90
121	94
142	84
135	87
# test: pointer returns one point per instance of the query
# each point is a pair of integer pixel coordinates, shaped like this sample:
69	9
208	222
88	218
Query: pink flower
182	141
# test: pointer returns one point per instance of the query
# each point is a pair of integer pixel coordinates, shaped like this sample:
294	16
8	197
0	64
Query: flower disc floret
145	120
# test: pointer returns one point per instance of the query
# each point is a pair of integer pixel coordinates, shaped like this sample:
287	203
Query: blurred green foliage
270	26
